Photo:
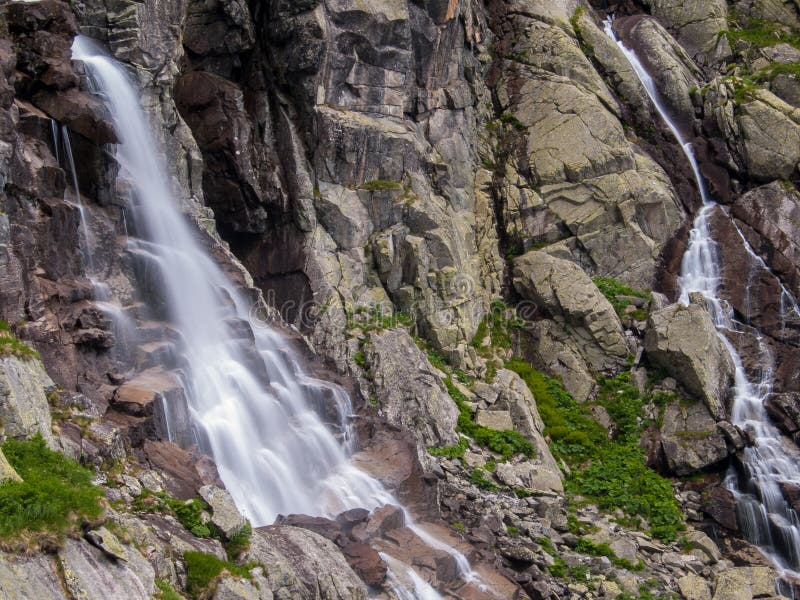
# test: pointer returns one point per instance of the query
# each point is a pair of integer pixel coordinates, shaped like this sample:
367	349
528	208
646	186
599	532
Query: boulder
690	438
683	341
7	472
784	410
30	577
694	587
235	588
720	505
769	131
700	541
89	573
745	583
24	410
408	389
303	565
772	213
697	26
225	515
561	289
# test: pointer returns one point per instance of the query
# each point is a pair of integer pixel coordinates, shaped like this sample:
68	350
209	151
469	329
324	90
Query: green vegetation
478	478
166	591
613	289
11	346
377	319
505	443
587	546
55	496
610	472
239	542
380	185
760	33
202	568
188	512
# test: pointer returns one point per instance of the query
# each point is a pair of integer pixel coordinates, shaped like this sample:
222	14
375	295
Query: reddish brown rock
80	111
176	465
138	396
366	562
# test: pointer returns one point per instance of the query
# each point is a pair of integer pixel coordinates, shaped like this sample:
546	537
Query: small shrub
612	289
55	496
479	479
239	542
189	512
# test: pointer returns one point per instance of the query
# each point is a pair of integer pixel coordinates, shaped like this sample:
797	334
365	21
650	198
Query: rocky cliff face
456	209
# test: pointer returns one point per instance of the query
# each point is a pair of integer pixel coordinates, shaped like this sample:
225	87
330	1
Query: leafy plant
166	591
478	478
613	289
380	185
188	512
55	496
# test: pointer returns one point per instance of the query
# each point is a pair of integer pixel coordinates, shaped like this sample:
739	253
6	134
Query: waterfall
252	408
764	515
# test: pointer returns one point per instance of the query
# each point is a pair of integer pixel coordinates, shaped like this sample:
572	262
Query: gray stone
90	574
24	410
684	341
495	419
225	515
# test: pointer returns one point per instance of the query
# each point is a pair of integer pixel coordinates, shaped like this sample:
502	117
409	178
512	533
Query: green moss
380	184
56	495
360	359
202	568
11	346
460	527
761	33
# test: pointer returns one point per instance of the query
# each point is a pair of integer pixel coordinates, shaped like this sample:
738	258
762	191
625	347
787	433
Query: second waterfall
764	515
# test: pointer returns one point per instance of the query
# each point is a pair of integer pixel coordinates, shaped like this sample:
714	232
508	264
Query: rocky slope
457	210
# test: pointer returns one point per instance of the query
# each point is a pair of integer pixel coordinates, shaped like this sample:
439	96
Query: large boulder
24	410
690	438
561	289
770	137
408	389
683	341
30	577
302	565
697	26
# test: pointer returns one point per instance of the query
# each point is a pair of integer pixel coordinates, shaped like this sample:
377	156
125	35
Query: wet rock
225	515
366	563
684	341
784	410
720	505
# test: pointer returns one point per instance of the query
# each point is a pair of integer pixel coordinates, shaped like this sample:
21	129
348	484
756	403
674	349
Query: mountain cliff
468	228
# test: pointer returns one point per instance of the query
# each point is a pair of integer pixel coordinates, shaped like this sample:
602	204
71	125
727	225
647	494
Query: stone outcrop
769	134
683	341
690	439
408	390
697	27
562	290
302	564
24	409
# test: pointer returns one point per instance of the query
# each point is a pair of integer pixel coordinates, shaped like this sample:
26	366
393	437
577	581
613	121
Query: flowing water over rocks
769	464
250	405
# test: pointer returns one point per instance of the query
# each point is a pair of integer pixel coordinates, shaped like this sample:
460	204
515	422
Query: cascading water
251	405
766	518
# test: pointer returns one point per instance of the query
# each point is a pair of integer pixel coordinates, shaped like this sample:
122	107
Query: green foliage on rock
55	496
202	569
188	512
613	290
506	443
760	33
165	591
11	346
611	472
380	185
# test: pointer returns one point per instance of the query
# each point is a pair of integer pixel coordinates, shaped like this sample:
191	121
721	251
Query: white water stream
764	515
252	408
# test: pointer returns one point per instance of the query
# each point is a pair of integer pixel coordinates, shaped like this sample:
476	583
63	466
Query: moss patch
11	346
202	569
